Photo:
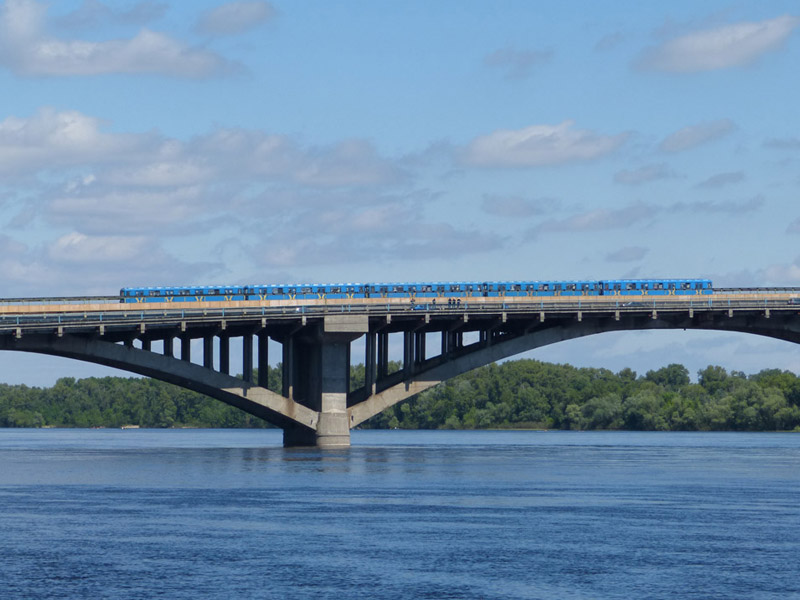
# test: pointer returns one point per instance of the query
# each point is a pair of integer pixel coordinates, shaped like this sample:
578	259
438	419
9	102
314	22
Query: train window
469	288
570	286
630	286
658	286
336	289
543	287
413	289
686	285
501	288
305	290
455	288
557	287
698	286
291	291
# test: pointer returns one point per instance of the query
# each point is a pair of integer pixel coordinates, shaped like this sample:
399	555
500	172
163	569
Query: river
225	514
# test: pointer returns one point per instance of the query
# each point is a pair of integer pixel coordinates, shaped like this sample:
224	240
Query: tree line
514	394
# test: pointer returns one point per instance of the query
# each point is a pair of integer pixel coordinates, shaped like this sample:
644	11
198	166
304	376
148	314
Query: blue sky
149	143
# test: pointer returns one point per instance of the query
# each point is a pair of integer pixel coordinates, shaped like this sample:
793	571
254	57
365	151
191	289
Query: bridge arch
483	354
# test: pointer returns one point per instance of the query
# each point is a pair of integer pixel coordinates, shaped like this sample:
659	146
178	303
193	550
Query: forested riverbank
515	394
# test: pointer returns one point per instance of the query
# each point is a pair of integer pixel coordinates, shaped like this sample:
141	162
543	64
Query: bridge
316	406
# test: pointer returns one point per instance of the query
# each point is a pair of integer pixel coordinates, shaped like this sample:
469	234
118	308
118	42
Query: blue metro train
395	291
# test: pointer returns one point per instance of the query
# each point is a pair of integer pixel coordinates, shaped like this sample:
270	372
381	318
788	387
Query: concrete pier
317	375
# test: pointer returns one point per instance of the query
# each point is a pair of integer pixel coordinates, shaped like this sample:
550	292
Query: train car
655	287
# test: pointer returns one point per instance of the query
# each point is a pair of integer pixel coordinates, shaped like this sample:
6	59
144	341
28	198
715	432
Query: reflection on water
221	514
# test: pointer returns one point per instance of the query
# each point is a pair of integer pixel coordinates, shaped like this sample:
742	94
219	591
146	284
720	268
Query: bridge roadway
316	405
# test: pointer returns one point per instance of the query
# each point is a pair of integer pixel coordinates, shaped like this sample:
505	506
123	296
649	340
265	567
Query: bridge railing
66	300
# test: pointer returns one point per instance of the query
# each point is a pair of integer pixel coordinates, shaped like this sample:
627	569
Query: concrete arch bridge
316	406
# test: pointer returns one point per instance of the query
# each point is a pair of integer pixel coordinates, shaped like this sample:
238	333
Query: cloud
414	241
79	264
721	180
297	204
782	275
517	64
792	143
601	219
629	254
81	248
93	14
234	18
794	226
695	135
609	42
644	174
720	48
26	50
351	162
539	145
726	207
515	207
131	211
51	139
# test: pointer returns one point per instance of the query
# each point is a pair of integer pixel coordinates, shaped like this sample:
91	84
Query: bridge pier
317	375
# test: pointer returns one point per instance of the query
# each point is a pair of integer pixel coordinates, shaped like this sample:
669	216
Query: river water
230	514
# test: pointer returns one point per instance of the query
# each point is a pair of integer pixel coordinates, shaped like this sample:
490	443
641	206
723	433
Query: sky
207	142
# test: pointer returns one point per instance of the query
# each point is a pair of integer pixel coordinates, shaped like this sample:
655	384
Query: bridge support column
263	359
382	363
247	357
225	354
370	362
320	379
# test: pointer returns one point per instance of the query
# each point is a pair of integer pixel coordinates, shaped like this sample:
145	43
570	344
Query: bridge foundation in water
316	374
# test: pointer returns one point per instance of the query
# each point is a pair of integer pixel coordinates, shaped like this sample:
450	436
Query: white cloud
234	17
601	219
644	174
722	47
695	135
720	180
97	211
26	49
93	14
629	254
516	207
730	207
77	247
539	145
52	139
782	275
